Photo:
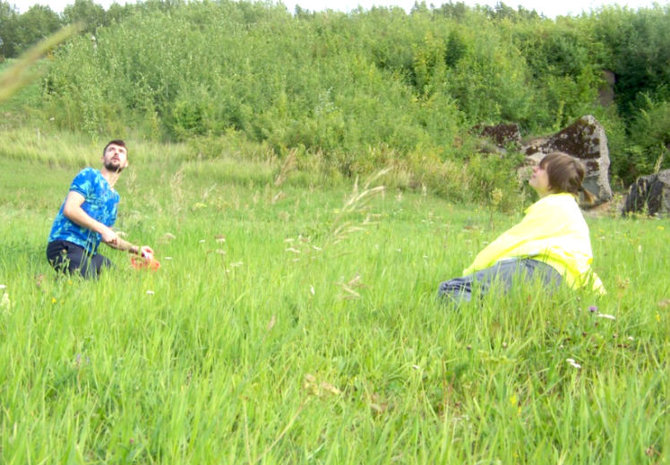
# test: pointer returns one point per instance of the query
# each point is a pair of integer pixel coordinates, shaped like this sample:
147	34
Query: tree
34	25
90	14
8	29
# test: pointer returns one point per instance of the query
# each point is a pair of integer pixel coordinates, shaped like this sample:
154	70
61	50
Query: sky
549	8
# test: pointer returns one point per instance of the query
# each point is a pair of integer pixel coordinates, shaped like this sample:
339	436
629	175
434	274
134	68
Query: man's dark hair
118	142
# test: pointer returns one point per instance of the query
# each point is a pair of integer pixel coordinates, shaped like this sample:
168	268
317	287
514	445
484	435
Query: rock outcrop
650	194
502	135
585	140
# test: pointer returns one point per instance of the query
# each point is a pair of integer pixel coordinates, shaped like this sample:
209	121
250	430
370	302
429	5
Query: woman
550	244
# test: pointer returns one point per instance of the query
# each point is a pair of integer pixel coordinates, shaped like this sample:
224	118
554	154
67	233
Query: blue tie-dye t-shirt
100	202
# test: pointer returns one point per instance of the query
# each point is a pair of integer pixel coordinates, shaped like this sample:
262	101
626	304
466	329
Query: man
86	217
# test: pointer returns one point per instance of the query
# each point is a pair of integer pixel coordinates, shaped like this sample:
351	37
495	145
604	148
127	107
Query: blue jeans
66	257
505	272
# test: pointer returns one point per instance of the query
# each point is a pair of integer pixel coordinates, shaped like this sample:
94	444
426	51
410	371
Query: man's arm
73	211
124	245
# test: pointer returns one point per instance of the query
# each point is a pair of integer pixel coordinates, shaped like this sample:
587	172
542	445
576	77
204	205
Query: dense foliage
352	86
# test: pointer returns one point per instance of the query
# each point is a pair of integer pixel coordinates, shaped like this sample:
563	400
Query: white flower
311	290
2	286
572	363
150	292
604	315
5	303
167	258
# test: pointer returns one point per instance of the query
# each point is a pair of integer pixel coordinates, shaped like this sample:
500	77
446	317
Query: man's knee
70	258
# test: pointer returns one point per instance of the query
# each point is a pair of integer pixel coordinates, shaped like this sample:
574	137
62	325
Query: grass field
297	322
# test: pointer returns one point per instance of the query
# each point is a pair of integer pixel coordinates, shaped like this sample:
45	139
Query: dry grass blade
357	203
349	288
18	75
286	167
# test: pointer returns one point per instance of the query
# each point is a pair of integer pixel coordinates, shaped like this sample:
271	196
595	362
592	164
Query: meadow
294	319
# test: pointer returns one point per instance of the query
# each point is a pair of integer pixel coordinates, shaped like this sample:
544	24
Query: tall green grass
292	323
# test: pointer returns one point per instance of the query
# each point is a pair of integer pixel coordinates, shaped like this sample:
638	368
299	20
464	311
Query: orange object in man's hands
145	263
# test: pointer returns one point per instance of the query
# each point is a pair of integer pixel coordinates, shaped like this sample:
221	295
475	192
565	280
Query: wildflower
53	300
167	258
660	228
202	241
220	238
593	309
327	387
150	292
604	315
311	290
2	286
573	364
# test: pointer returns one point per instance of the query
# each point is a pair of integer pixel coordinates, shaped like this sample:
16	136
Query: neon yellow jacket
554	232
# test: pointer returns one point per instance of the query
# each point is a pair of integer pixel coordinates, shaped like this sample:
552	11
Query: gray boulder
651	194
585	139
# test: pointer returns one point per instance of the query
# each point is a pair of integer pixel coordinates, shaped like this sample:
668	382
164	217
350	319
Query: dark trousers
504	272
68	258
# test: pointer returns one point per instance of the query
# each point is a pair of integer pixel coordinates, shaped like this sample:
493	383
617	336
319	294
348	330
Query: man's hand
109	237
146	252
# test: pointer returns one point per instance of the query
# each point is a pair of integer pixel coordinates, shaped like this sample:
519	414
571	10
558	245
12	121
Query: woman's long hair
565	174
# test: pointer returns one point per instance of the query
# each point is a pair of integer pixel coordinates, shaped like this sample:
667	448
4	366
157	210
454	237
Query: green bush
650	142
354	88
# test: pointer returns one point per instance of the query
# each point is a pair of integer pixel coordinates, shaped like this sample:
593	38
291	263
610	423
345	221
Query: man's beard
113	166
